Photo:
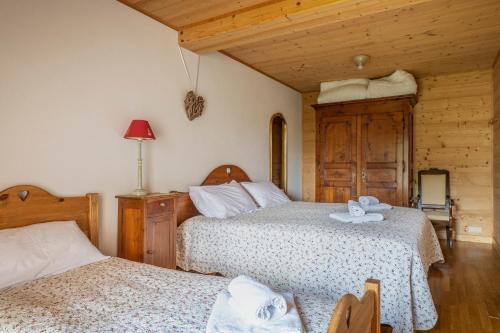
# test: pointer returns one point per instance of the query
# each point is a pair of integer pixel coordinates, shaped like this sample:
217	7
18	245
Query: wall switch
473	229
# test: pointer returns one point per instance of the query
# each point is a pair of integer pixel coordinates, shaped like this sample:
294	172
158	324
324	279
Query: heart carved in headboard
23	195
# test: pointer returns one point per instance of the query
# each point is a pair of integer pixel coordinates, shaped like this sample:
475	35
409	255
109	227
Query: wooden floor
466	289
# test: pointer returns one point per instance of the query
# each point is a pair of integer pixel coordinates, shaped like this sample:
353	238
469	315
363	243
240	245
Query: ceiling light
360	60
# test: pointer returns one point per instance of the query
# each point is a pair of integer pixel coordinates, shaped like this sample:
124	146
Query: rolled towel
377	208
367	200
254	300
348	218
355	209
224	319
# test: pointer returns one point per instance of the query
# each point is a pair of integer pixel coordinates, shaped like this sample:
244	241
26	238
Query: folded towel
354	208
225	319
377	207
255	300
367	200
348	218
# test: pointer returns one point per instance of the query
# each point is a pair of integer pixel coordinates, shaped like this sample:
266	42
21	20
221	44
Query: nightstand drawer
159	207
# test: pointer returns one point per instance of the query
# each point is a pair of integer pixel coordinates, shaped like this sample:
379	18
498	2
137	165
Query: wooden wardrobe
365	148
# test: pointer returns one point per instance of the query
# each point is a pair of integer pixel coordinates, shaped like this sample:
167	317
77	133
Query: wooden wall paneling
309	146
452	131
496	149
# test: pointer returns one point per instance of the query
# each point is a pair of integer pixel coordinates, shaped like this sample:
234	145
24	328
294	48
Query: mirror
278	159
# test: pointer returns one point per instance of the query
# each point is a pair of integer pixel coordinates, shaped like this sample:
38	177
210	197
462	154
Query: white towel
256	300
377	207
225	319
348	218
354	208
367	200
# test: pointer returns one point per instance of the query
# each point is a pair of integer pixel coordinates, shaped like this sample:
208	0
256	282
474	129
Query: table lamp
139	130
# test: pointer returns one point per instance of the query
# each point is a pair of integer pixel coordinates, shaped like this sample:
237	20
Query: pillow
20	257
221	201
43	249
266	194
65	245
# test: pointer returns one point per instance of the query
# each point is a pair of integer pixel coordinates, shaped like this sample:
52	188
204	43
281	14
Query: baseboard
496	245
474	239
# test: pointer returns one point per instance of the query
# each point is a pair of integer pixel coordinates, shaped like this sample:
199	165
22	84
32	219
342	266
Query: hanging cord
187	71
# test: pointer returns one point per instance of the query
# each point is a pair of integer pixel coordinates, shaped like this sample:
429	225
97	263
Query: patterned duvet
117	295
297	247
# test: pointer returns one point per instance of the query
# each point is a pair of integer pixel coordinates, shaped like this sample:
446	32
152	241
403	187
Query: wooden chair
434	199
358	316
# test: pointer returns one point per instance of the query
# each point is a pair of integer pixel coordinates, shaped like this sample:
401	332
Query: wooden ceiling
304	42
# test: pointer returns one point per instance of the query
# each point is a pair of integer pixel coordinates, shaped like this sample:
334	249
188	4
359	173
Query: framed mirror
278	159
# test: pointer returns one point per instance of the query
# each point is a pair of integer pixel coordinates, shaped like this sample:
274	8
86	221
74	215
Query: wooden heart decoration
194	105
23	195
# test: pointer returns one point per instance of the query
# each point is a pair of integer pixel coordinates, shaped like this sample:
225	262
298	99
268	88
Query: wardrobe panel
337	156
382	156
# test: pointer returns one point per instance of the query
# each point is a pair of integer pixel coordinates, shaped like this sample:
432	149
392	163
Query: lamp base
140	192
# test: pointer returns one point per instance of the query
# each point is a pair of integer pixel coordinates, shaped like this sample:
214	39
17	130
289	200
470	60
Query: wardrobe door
336	159
381	167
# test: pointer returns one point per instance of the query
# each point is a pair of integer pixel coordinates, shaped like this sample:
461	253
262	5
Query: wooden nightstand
147	228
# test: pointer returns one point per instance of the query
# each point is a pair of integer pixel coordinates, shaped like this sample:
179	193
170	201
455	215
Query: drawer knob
162	204
149	251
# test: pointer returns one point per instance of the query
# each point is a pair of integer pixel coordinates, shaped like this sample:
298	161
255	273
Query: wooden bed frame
185	208
358	316
23	205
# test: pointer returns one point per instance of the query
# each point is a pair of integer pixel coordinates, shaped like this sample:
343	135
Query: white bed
297	246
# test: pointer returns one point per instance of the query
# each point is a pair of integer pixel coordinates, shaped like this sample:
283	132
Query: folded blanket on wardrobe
348	218
255	300
226	319
355	209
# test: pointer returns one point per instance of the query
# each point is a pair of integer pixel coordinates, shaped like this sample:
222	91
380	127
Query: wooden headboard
24	205
226	173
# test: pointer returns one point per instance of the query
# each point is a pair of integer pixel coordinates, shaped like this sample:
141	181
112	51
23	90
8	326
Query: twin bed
291	247
116	295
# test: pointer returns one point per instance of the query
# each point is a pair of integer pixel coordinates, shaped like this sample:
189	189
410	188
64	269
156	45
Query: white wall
73	73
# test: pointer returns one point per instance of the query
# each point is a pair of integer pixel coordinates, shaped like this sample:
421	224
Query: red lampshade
139	130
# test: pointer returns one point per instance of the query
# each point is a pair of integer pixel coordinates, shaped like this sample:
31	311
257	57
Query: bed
296	246
116	295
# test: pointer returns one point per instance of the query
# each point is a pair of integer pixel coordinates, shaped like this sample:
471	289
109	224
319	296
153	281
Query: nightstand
147	228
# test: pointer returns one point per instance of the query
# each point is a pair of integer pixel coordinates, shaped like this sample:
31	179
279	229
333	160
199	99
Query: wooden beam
277	18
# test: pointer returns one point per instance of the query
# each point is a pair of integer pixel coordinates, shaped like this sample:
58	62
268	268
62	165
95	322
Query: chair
434	199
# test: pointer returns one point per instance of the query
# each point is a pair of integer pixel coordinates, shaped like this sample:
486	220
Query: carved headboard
185	208
24	205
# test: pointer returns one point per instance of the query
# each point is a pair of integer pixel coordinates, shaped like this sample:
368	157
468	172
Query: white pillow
43	249
21	259
66	246
266	194
221	201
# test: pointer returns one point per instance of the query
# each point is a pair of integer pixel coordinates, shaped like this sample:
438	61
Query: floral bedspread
116	295
297	247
